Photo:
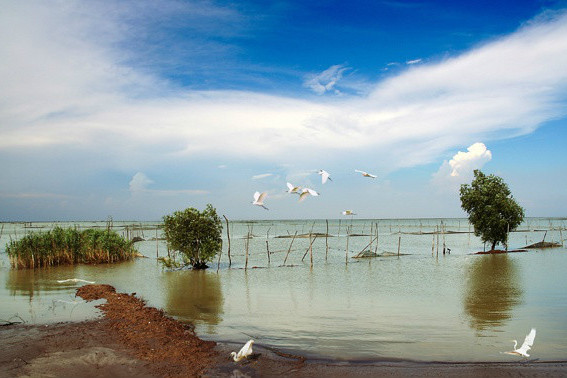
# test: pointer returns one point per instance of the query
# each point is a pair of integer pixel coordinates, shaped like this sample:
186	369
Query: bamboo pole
247	244
311	250
399	243
366	246
326	239
157	245
560	235
267	246
310	244
346	253
376	248
228	236
339	232
289	249
437	231
433	246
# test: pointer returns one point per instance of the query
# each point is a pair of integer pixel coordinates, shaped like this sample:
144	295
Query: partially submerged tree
492	209
196	235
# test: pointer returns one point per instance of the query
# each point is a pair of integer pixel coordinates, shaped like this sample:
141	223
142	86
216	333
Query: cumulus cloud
326	80
475	157
139	183
460	168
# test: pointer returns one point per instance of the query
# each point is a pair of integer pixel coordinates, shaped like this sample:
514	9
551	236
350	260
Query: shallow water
422	305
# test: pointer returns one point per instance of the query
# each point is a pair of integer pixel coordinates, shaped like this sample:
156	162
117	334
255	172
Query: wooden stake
346	253
399	242
369	244
310	244
228	236
311	249
326	239
157	245
290	244
376	248
267	247
247	244
433	245
437	230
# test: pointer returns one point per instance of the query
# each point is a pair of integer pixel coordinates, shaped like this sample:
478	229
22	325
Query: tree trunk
493	246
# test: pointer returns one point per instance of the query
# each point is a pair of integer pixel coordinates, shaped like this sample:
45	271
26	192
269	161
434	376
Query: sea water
324	303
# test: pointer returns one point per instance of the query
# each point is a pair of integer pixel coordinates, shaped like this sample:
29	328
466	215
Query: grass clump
68	246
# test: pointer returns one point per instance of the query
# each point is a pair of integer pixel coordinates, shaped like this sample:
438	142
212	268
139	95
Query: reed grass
68	246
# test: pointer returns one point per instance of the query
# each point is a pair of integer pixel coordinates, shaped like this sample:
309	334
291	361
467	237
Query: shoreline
134	340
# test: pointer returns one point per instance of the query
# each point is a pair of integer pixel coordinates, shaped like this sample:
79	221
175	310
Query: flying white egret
306	192
348	212
259	199
244	352
324	176
528	342
365	174
292	188
75	280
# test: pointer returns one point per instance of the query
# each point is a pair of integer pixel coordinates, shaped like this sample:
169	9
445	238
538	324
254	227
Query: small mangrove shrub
68	246
195	234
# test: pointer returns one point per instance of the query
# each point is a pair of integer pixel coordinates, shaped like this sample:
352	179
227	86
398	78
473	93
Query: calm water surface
422	305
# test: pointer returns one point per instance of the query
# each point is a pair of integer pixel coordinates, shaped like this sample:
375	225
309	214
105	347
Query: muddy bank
133	340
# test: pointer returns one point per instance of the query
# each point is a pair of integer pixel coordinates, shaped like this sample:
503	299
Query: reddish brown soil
171	347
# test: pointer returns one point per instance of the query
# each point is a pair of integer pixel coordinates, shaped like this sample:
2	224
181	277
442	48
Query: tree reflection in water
194	295
493	289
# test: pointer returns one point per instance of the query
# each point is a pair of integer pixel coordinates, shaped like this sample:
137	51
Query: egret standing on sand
259	199
523	350
365	174
306	192
244	352
324	176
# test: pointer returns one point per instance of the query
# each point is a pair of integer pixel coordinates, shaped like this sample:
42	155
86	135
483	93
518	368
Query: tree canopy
196	235
492	209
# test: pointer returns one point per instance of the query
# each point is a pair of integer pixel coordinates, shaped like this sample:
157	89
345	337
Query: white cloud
414	61
460	168
261	176
61	88
326	80
475	157
139	183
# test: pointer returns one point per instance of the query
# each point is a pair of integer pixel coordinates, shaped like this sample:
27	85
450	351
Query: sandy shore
133	340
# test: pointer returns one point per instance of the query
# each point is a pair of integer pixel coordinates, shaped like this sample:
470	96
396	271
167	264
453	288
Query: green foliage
196	235
492	209
68	246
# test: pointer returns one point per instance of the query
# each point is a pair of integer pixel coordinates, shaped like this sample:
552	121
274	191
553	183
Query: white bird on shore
348	212
324	176
292	188
259	199
244	352
365	174
306	192
528	342
75	280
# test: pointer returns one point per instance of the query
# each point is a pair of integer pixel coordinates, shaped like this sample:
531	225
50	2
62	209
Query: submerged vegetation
61	246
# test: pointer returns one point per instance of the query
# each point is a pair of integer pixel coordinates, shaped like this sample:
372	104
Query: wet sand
134	340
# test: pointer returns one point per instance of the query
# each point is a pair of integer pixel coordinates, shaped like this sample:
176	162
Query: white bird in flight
306	192
348	212
244	352
75	280
528	342
365	174
324	176
292	188
259	199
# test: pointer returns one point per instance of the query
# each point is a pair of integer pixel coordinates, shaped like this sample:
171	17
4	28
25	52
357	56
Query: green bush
196	235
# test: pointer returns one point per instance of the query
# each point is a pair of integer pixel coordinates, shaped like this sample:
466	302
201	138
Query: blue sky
136	109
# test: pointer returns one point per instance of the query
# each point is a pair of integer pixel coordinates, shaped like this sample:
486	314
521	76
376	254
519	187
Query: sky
136	109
